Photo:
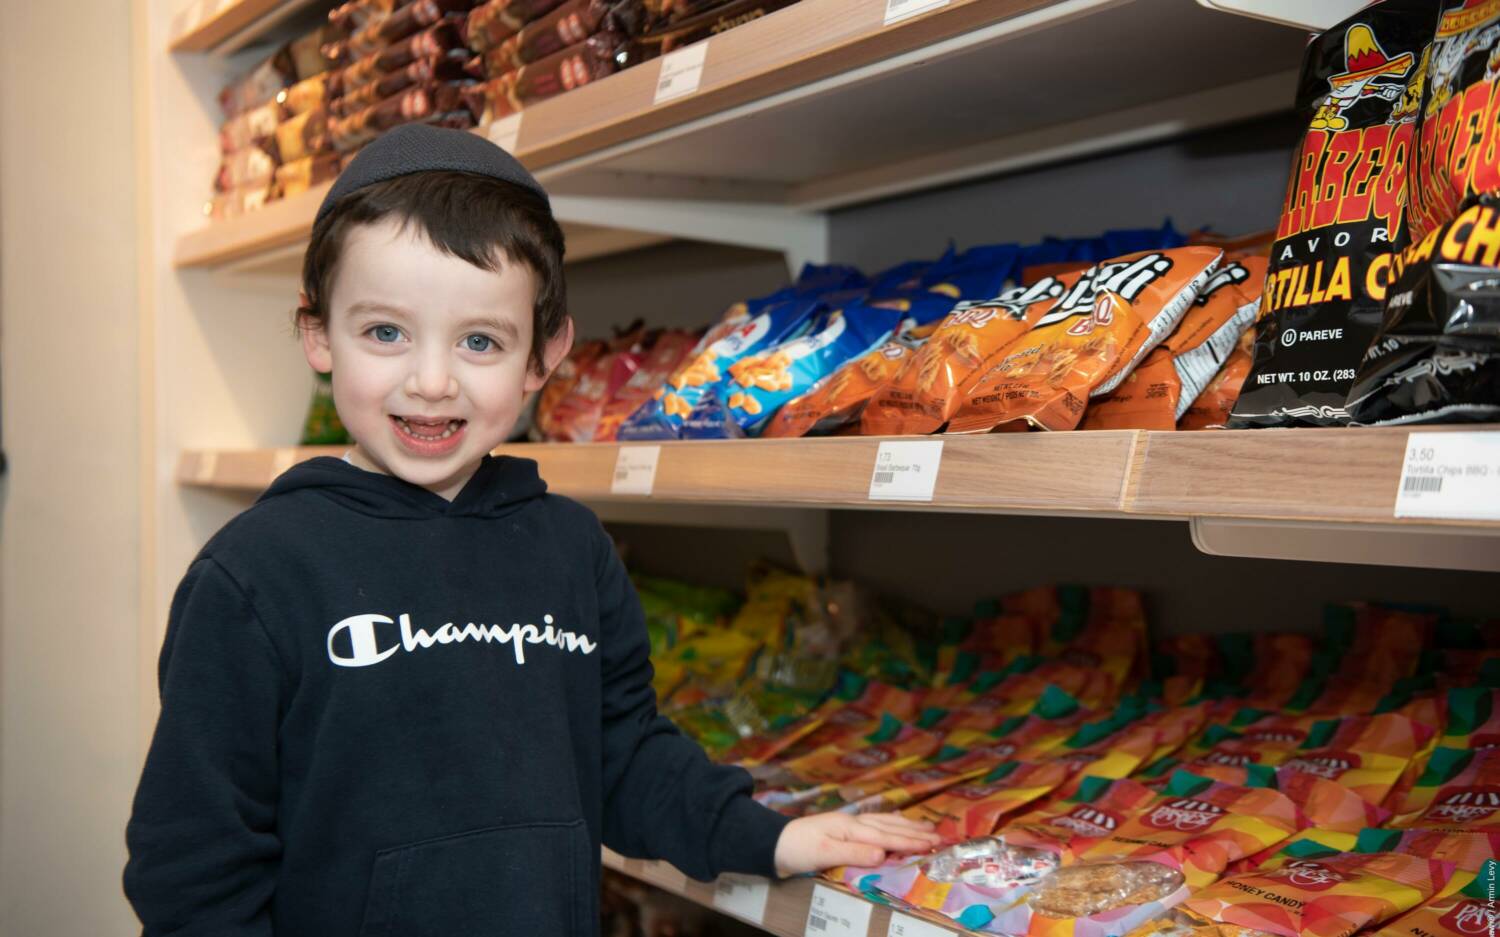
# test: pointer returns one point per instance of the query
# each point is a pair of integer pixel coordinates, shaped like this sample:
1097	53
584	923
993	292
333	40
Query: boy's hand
811	844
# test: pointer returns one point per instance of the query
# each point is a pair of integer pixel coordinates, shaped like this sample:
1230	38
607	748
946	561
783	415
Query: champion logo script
370	643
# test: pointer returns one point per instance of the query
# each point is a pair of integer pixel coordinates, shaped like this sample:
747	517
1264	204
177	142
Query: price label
635	470
903	926
836	914
744	896
505	132
906	470
1451	475
898	10
680	72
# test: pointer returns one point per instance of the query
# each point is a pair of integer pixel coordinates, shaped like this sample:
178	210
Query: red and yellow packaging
978	807
1336	896
841	400
1459	790
1086	809
1087	342
803	780
1161	388
562	383
895	788
1212	408
925	392
575	417
668	350
1467	911
1366	754
832	722
1328	804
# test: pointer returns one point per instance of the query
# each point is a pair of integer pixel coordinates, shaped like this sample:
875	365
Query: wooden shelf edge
209	25
787	901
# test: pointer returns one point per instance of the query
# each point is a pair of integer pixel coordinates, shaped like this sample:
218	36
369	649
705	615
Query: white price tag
635	470
680	72
906	470
903	926
837	914
744	896
505	132
1451	475
898	10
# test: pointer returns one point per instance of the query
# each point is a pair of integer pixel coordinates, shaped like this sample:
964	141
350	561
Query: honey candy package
1087	342
1360	94
1459	791
1466	912
801	780
1159	391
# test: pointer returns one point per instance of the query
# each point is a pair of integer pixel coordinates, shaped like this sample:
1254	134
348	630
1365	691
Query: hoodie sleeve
202	834
663	798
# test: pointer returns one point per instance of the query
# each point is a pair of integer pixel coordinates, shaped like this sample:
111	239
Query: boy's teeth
429	430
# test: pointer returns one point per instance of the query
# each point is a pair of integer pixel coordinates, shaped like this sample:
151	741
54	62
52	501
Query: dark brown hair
475	218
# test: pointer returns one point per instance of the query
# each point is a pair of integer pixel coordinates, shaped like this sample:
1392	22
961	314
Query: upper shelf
822	104
226	25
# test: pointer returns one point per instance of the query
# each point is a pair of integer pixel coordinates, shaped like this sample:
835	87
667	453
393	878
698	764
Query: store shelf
787	902
1300	14
226	25
822	105
1335	477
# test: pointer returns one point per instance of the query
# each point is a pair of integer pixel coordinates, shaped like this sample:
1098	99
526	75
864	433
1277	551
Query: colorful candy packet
977	807
1309	843
801	780
1459	790
1087	342
880	792
926	392
1366	754
1466	850
1468	911
1473	718
1334	896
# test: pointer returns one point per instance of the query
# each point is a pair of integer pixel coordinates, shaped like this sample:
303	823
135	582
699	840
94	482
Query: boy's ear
553	353
315	343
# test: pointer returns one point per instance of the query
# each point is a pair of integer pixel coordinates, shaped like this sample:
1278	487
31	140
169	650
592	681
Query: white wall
69	531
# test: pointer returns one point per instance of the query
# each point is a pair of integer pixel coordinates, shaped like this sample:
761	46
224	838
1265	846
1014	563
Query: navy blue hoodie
384	713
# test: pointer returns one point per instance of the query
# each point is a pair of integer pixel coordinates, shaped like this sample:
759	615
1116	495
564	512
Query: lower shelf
785	908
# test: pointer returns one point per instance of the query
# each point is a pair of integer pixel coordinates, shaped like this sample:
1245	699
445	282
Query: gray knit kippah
419	148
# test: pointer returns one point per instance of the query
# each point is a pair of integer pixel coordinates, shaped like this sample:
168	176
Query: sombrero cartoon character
1366	64
1460	33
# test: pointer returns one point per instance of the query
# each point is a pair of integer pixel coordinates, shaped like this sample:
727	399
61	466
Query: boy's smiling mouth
428	436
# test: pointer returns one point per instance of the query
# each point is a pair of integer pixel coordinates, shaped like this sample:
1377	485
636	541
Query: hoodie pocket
533	878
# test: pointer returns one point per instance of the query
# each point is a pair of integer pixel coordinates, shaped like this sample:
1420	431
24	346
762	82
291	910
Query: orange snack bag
668	351
1466	912
563	380
1366	754
894	788
977	807
1158	392
1087	342
1334	896
575	418
831	766
1459	790
1212	408
830	722
840	400
1084	810
925	393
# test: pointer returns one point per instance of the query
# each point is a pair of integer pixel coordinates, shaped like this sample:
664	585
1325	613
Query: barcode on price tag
681	71
906	470
836	914
898	10
903	926
1450	475
635	470
744	896
505	132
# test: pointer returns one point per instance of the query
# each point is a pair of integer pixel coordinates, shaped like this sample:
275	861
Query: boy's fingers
901	827
850	852
887	839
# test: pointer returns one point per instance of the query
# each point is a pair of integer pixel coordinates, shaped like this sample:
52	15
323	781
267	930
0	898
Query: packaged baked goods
1336	896
1342	216
1436	355
1455	156
490	24
687	23
1469	911
405	20
303	135
260	85
665	353
298	176
436	103
254	127
569	24
758	384
250	166
306	95
421	71
1158	392
924	395
437	42
1087	342
590	60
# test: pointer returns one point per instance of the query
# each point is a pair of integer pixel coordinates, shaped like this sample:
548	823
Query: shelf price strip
681	71
904	926
505	132
898	10
906	470
1455	476
635	470
836	914
743	896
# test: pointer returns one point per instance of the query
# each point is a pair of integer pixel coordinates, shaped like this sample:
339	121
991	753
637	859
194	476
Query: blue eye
479	343
386	333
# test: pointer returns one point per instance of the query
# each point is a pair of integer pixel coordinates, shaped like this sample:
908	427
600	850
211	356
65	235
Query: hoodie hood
499	486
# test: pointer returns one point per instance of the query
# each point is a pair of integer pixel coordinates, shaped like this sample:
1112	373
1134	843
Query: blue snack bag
977	273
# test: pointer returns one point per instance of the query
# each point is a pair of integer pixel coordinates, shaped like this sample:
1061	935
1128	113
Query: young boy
408	692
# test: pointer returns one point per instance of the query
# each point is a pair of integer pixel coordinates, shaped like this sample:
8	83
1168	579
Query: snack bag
1466	851
1327	804
803	779
1436	356
1310	843
758	384
1366	754
1359	92
575	417
979	272
1212	408
833	721
1466	912
925	394
1199	827
1460	790
1159	391
1336	896
893	789
1087	342
977	807
1473	718
667	351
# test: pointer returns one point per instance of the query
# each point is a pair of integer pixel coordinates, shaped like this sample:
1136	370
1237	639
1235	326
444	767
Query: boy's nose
432	380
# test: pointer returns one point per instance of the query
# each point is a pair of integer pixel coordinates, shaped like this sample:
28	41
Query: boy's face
430	355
